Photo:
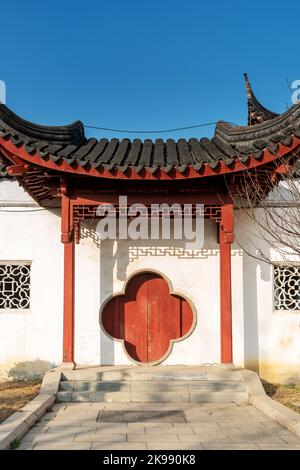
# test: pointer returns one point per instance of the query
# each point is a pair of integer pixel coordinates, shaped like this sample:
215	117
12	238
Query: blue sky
139	64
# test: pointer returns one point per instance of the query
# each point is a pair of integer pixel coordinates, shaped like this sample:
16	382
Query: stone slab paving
157	426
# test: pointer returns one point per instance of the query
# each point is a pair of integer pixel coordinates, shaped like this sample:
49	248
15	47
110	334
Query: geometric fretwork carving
89	212
287	287
14	286
182	253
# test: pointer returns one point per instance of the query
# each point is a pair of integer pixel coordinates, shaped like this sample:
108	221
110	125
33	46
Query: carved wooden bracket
227	223
17	170
66	214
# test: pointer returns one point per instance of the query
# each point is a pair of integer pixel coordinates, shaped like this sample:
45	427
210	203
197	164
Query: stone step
157	373
211	383
152	386
160	396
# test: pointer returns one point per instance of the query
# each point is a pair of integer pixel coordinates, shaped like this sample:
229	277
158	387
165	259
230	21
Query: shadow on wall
254	271
29	369
107	261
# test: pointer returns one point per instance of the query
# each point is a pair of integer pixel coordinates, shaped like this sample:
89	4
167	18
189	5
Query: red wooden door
147	317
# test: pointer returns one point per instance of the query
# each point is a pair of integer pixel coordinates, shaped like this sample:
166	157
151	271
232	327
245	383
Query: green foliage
15	444
291	386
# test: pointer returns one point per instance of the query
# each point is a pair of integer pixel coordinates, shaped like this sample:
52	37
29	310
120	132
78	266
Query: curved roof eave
66	149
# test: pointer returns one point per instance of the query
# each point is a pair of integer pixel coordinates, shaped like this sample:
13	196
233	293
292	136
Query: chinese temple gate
61	164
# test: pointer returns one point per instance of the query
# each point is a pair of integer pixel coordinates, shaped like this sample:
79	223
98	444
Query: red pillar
226	237
67	238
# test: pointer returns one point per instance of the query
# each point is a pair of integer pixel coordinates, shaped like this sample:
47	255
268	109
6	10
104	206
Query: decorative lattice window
287	287
14	286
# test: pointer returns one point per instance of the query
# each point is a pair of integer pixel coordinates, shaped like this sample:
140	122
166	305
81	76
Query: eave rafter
32	177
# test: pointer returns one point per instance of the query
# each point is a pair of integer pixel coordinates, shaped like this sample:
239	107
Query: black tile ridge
69	134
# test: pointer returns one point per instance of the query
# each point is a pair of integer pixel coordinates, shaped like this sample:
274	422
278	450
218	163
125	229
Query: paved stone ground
169	426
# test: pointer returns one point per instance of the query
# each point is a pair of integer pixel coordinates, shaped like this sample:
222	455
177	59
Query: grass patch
286	394
15	394
15	444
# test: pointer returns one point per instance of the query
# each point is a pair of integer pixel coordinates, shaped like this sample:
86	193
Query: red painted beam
146	199
226	237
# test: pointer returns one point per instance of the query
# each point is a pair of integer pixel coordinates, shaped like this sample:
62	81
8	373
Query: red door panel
135	318
147	317
163	318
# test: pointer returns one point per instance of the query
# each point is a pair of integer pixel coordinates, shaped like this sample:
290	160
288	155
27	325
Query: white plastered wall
263	340
102	270
31	340
271	339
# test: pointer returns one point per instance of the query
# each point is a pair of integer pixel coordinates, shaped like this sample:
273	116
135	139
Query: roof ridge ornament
257	113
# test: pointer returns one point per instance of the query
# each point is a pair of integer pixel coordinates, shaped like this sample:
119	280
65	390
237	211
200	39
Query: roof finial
257	113
248	86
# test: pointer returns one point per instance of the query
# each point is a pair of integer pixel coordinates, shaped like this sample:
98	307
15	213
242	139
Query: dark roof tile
83	150
196	150
68	143
158	156
94	156
134	152
184	153
171	153
108	153
119	155
146	153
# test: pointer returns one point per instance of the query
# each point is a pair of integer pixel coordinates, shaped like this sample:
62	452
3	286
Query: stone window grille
14	286
287	287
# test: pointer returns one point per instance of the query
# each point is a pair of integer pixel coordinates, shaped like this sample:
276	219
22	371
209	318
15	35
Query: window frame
19	263
282	264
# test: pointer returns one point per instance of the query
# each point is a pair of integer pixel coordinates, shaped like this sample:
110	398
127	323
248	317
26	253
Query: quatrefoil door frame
147	317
